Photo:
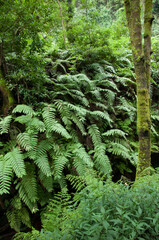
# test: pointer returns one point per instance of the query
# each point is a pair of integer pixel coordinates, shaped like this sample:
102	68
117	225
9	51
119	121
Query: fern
24	109
27	140
94	132
119	150
5	124
103	115
77	182
114	133
24	119
46	182
16	216
79	123
80	153
16	161
51	124
5	176
102	162
42	162
59	163
27	188
14	219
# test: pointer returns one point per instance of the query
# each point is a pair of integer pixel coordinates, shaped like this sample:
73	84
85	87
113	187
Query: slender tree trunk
62	22
141	59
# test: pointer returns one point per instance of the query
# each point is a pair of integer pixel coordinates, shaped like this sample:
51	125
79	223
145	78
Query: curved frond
27	140
15	159
27	188
24	109
115	132
5	176
42	162
59	164
94	132
5	124
46	182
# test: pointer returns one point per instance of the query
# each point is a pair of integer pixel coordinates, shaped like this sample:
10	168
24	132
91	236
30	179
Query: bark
62	22
141	59
7	99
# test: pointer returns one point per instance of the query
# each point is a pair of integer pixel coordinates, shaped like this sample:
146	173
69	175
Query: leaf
5	176
5	124
15	159
24	109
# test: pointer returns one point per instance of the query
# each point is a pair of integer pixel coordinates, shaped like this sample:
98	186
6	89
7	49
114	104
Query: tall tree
141	51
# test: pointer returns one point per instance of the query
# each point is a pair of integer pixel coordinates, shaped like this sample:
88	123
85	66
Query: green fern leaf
5	124
79	123
27	187
102	162
59	164
119	150
23	119
15	159
14	219
5	176
47	182
103	115
42	162
94	132
24	109
27	140
115	132
80	153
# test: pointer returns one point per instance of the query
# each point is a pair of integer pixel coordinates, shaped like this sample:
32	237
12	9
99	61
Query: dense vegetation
68	123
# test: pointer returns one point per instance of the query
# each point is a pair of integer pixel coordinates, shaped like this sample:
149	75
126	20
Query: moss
8	99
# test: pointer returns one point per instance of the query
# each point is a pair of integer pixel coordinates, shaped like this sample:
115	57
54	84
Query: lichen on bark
141	59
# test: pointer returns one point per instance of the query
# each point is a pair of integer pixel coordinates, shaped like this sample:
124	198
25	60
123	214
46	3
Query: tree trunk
5	94
141	59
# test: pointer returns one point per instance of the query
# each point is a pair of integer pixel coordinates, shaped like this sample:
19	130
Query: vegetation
69	141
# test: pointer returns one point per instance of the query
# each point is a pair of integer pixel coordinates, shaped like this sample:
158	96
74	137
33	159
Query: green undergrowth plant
105	211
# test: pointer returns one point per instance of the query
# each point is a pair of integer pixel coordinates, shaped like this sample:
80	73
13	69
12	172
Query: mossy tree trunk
6	96
141	59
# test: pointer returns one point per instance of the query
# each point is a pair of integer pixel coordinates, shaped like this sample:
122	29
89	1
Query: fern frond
13	217
48	114
78	109
47	182
27	140
5	124
58	128
24	109
5	175
102	162
59	164
42	162
25	217
155	117
80	153
119	150
103	115
51	124
16	161
79	123
115	132
36	124
77	182
27	187
94	132
79	166
23	119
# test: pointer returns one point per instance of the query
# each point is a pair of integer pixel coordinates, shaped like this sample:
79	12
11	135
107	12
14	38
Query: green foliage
76	107
106	211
